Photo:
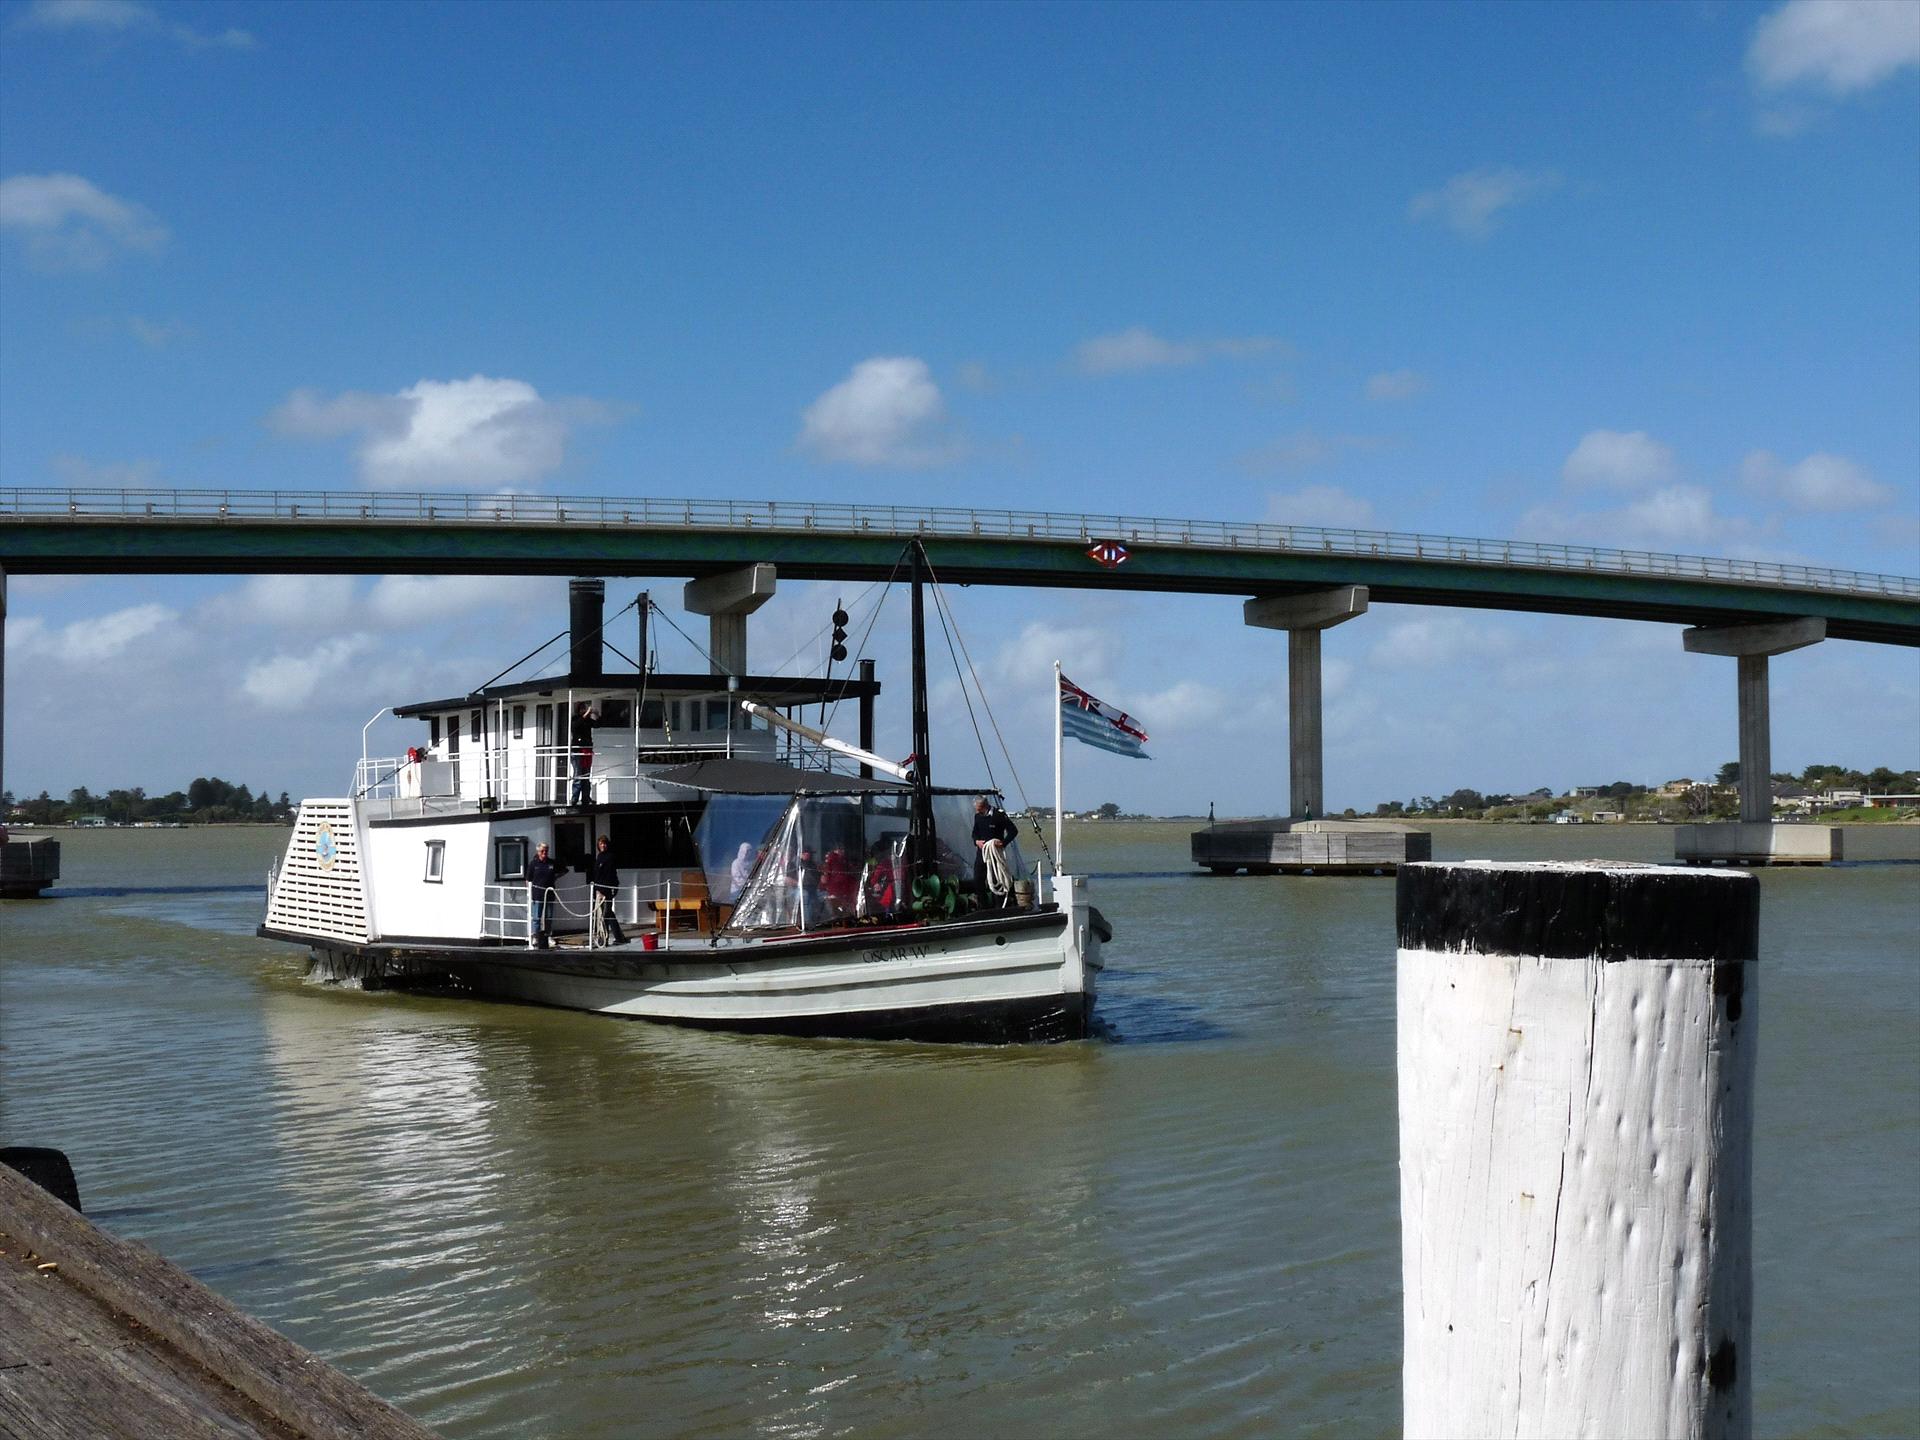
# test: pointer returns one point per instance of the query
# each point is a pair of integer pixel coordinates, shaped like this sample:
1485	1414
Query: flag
1099	724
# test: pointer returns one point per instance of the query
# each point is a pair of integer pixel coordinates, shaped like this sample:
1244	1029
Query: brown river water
523	1222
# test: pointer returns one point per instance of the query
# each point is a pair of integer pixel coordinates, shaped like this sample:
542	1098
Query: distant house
1682	786
90	822
1794	799
1606	817
1586	792
1887	802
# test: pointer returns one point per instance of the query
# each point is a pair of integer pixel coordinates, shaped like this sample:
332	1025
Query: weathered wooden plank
293	1386
70	1367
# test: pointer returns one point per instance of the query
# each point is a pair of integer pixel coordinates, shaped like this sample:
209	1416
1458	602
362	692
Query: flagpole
1059	785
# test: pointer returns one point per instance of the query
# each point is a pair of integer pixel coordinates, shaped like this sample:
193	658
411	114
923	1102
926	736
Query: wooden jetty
1308	847
101	1337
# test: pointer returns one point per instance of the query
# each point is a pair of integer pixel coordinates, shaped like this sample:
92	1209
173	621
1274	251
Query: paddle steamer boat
762	888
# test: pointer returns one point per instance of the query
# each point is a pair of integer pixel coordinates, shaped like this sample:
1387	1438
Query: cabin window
510	857
717	714
617	714
473	725
653	714
436	861
453	737
433	731
570	845
654	839
519	721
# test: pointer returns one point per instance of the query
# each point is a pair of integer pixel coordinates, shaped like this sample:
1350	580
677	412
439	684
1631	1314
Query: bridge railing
797	516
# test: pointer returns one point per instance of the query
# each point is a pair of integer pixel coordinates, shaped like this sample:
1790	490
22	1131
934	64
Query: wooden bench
691	900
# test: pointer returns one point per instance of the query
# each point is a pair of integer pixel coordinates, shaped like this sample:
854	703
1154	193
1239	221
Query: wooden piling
102	1337
1576	1054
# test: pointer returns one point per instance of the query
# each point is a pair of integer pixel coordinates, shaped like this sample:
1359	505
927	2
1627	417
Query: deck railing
313	507
541	776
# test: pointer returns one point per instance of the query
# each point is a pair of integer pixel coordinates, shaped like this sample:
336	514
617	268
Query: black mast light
839	651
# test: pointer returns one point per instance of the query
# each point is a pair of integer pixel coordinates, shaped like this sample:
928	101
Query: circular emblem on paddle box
325	849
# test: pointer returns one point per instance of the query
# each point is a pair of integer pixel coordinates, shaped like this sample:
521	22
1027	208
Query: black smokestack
586	599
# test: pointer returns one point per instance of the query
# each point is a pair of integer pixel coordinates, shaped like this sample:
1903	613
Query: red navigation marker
1110	553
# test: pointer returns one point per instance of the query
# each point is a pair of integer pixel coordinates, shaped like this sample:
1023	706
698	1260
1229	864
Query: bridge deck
234	531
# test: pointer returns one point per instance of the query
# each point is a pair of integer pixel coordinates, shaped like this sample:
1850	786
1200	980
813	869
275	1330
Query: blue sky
1644	276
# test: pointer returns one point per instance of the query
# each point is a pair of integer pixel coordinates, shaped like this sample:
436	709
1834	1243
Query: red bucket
649	942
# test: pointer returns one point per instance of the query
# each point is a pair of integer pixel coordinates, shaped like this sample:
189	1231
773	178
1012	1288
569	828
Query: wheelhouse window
653	715
615	714
519	721
510	857
473	725
433	730
436	861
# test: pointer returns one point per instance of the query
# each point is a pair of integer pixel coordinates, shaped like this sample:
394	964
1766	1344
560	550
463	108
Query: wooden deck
101	1337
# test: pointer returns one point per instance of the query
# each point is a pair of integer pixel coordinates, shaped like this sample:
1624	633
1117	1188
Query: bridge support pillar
3	687
1755	839
1303	617
726	600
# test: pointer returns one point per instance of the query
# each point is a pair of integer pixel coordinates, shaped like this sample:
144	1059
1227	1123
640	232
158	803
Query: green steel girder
243	546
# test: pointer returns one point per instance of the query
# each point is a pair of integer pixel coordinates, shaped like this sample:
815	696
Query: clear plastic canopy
822	861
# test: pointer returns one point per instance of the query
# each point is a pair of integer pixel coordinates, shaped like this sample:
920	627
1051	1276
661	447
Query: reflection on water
517	1221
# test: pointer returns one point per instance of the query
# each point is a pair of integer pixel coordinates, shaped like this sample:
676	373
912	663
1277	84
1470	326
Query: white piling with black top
1576	1060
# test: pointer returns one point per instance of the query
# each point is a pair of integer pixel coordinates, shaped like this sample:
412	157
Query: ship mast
920	816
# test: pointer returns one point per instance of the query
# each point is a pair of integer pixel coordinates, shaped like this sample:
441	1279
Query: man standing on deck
991	826
540	877
605	879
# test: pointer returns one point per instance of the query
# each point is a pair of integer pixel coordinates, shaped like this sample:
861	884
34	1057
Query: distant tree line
209	800
1717	798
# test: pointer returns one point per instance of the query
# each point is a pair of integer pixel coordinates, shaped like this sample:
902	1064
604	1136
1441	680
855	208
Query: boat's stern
319	892
1087	931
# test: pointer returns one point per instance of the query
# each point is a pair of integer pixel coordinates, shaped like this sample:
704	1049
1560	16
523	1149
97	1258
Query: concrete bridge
1300	579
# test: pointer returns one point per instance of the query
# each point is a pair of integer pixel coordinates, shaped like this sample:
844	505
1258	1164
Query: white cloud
1471	202
69	223
1675	516
86	15
1307	450
1396	385
1819	482
1840	46
334	603
158	334
1138	348
1090	655
292	602
288	682
83	474
399	601
975	376
888	411
94	641
125	17
1325	505
1618	460
479	432
1439	639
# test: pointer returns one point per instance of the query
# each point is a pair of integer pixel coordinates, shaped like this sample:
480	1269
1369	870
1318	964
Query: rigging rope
1026	804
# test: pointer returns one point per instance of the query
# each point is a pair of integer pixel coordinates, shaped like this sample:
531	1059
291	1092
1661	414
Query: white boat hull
1015	977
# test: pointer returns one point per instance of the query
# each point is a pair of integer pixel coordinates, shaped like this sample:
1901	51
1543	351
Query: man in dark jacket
540	877
605	878
991	826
